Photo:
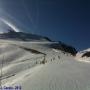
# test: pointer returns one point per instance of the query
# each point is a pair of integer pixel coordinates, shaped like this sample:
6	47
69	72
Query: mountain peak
13	35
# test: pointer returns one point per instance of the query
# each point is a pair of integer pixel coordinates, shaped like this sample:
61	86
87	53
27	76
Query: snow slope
35	66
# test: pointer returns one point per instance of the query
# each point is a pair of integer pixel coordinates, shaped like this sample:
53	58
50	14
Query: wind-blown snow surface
22	65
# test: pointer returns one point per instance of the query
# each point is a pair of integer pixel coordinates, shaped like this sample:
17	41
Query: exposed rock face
87	54
64	47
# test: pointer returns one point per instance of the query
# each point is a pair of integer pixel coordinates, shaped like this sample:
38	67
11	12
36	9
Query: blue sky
60	20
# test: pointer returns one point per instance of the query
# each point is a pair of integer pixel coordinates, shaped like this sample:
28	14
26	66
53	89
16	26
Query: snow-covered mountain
35	64
84	55
22	36
12	35
10	32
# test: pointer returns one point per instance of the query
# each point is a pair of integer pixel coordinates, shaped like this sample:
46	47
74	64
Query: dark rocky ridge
12	35
64	47
87	54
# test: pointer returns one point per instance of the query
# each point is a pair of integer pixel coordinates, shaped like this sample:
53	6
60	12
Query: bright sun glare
5	25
